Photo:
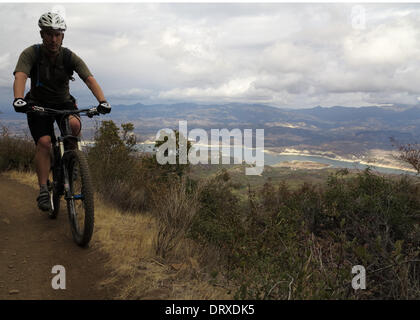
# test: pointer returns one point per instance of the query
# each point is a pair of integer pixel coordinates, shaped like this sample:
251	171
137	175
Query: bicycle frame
66	135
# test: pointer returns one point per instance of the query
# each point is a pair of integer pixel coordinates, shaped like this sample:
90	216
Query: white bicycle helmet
52	20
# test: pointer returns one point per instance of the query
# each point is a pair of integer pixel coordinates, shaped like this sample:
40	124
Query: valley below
367	136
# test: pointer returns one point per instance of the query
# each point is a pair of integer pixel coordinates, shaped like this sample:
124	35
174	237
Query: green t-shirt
54	88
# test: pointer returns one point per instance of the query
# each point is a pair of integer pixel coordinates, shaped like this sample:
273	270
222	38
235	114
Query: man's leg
75	125
42	163
41	128
42	159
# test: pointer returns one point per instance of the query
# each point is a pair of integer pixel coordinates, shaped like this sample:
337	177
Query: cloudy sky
286	55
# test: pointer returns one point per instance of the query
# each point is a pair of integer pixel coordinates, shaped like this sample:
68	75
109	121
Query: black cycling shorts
43	125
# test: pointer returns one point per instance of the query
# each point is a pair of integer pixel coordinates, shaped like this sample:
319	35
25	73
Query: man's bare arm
19	84
95	88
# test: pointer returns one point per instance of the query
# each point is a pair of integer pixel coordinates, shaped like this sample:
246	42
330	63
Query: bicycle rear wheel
80	203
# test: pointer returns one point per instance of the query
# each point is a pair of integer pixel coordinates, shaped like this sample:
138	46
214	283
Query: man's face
52	40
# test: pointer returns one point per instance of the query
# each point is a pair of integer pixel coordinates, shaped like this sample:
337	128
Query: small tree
409	153
128	136
177	168
110	156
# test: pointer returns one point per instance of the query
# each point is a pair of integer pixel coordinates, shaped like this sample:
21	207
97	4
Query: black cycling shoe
44	199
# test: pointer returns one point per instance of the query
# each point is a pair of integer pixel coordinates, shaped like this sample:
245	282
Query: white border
208	1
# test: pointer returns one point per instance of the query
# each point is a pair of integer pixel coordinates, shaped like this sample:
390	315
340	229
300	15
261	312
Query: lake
272	159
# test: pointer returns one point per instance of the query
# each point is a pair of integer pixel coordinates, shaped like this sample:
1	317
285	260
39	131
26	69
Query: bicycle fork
68	193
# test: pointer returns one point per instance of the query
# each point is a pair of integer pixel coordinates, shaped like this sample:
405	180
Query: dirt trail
31	244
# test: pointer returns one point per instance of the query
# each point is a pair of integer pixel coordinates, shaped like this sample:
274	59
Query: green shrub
302	244
126	178
117	173
218	221
16	153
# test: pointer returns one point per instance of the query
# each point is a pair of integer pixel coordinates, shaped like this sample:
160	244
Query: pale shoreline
338	158
303	154
297	164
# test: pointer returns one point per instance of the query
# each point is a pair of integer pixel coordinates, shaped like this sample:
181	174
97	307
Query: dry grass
129	239
174	210
136	272
25	178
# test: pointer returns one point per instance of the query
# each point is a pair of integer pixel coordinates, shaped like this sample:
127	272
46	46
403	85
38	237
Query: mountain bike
70	176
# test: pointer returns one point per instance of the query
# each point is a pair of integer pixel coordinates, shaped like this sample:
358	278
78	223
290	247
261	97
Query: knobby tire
80	185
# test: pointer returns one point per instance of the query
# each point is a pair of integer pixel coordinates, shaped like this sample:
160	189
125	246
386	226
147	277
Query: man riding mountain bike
50	67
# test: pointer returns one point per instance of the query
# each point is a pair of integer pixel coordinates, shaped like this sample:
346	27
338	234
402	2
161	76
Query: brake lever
92	112
36	108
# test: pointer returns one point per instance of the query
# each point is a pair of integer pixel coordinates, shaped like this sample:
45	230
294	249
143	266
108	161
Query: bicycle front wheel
80	198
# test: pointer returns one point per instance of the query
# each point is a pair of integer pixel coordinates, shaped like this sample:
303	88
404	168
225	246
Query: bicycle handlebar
89	112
